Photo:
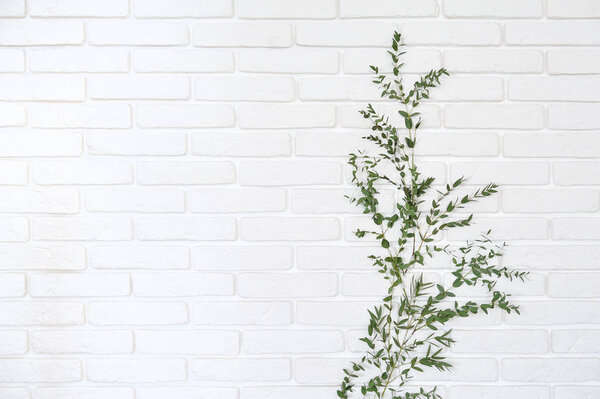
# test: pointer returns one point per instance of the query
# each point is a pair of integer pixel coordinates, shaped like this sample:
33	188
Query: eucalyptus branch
407	332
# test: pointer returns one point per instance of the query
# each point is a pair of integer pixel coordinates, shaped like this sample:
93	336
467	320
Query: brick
13	343
12	285
490	9
12	115
573	61
437	170
288	341
388	8
550	370
551	313
134	200
246	312
242	144
244	88
372	284
78	8
107	143
242	34
184	116
288	61
194	60
182	284
581	116
187	392
494	61
333	200
337	89
191	342
82	228
576	341
553	88
573	9
237	200
41	314
283	173
12	60
136	370
73	285
452	33
552	33
266	9
465	369
182	8
95	342
344	34
290	229
13	173
470	89
108	33
573	285
328	144
14	228
576	173
42	257
285	285
13	8
552	257
140	257
500	341
549	200
42	88
332	313
334	257
286	116
511	172
154	173
499	392
240	369
40	144
575	392
83	393
503	228
41	33
40	370
259	257
571	145
196	229
91	116
458	144
576	228
319	371
416	61
67	60
137	313
296	392
137	87
494	116
15	393
75	172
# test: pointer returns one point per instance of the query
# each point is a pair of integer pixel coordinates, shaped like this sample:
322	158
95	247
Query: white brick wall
172	173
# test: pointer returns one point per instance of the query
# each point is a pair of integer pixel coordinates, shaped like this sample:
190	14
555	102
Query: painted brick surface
172	180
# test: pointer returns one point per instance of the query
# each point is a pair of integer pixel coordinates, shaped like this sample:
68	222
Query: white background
172	215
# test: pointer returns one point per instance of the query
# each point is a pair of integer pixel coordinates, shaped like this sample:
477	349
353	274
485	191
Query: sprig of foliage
406	333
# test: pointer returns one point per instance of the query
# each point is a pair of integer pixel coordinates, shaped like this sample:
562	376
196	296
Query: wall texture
171	206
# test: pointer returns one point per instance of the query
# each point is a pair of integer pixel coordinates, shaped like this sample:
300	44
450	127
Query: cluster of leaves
406	333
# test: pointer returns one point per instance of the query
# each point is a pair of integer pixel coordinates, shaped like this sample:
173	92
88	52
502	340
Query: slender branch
396	353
